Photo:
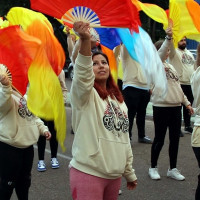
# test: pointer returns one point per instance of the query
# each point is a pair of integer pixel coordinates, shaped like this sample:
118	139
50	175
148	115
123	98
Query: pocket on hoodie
26	136
110	158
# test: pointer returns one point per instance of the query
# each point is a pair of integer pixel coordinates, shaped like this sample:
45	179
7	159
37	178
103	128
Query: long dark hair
112	89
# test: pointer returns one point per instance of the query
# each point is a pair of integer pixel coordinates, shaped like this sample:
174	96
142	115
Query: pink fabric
87	187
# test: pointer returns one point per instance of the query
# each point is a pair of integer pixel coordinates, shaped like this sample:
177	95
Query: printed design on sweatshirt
187	59
115	120
23	110
171	75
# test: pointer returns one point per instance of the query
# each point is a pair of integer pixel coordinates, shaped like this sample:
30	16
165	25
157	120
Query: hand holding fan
5	75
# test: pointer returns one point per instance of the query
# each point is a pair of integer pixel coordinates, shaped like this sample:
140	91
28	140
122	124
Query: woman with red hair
101	149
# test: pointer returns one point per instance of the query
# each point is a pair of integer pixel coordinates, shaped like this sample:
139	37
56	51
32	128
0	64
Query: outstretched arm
198	55
82	29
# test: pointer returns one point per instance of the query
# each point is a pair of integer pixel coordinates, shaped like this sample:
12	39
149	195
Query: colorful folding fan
99	13
183	16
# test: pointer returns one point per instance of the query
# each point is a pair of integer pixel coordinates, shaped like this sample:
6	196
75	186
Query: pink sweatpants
87	187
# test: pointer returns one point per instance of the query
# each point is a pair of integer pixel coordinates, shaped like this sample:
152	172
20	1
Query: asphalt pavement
53	184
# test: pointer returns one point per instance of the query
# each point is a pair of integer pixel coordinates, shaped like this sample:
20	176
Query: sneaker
145	140
153	173
188	129
120	192
175	174
54	163
41	166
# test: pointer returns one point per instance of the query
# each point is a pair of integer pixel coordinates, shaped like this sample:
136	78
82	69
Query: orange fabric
37	25
17	51
194	10
44	97
112	61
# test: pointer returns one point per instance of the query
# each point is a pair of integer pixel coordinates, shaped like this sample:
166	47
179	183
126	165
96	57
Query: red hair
112	89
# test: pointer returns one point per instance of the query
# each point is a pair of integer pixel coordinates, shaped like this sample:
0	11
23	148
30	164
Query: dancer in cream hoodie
101	149
19	130
167	114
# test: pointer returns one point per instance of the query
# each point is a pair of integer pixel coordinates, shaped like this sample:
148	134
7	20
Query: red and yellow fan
103	13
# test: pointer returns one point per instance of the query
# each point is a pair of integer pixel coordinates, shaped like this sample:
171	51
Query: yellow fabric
3	23
182	22
45	97
183	17
153	11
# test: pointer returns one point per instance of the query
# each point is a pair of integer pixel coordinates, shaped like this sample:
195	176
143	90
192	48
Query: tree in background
5	5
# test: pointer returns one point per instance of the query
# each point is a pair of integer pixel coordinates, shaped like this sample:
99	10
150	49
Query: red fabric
17	50
112	13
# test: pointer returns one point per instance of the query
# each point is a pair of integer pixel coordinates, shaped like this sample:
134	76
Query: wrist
188	106
168	37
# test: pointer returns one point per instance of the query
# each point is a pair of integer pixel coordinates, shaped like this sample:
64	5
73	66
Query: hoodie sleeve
129	173
172	51
61	78
164	49
5	98
83	81
41	127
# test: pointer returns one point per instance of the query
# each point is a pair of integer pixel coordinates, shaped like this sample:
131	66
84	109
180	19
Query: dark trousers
53	142
166	117
136	100
15	171
197	154
188	93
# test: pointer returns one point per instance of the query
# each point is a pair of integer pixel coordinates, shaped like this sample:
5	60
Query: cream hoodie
195	85
183	61
175	96
132	71
18	126
101	144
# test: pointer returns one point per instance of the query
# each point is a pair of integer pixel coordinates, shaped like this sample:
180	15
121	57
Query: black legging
136	100
166	117
15	171
53	142
197	154
188	93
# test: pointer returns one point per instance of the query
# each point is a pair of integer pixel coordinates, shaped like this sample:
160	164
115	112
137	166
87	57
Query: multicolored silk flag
14	43
45	98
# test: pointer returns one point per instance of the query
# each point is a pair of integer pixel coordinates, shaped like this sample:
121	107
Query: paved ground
54	184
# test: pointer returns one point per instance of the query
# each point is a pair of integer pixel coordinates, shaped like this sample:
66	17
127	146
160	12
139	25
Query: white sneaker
54	163
153	173
175	174
120	192
41	166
